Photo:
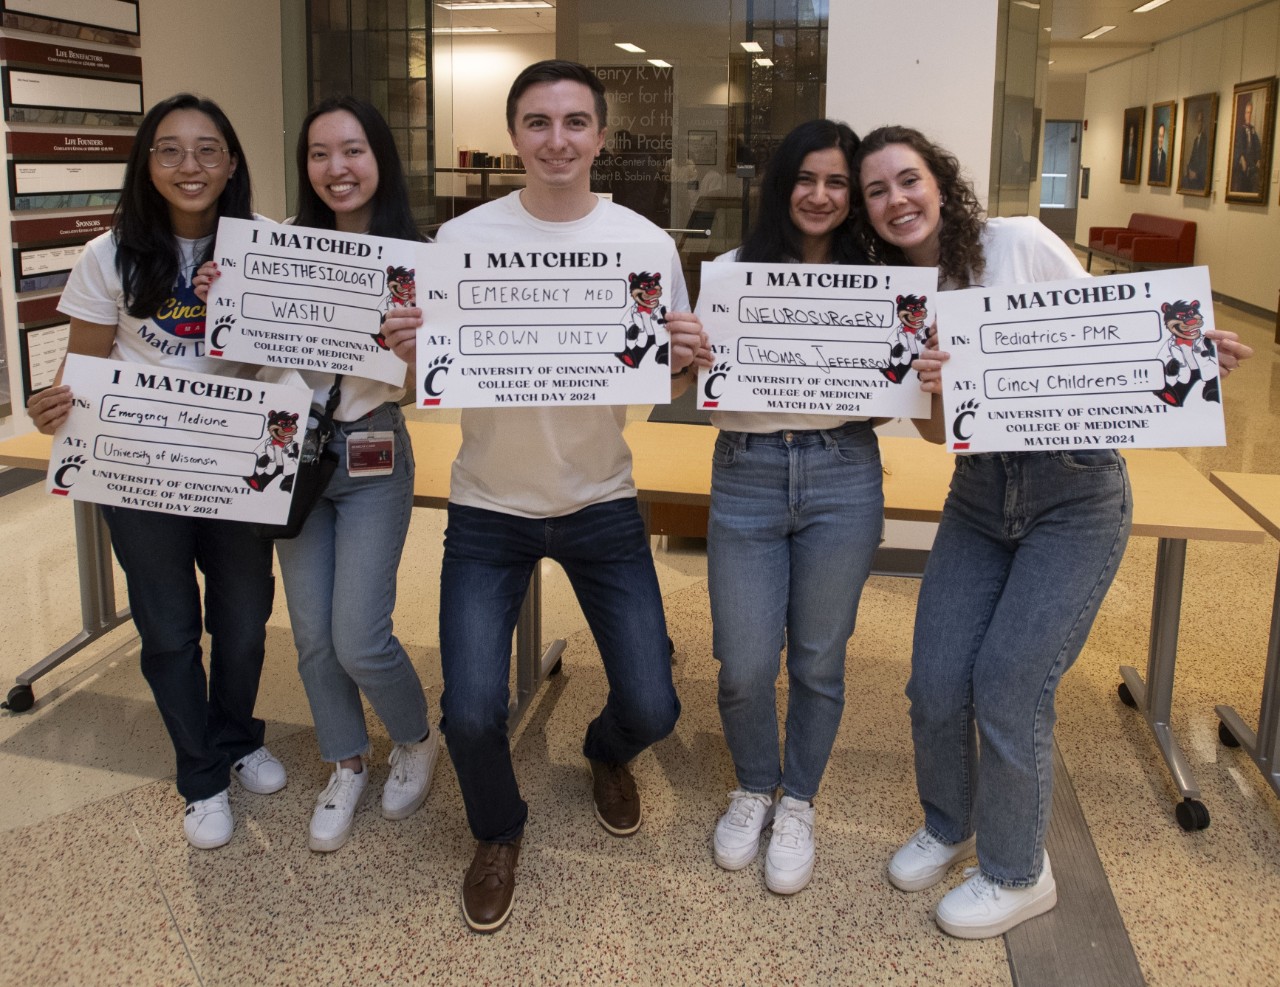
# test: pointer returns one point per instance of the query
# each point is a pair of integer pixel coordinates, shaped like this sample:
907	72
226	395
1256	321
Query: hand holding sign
525	325
815	338
290	296
178	442
1100	362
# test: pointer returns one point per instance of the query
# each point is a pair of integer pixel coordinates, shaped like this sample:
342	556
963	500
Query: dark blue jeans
210	720
488	559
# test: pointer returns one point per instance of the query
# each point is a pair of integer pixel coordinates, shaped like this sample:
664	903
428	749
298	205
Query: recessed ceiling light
764	63
494	4
1150	5
1098	32
628	46
752	46
464	30
1028	4
660	63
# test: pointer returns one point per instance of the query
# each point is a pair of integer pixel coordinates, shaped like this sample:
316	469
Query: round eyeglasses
172	155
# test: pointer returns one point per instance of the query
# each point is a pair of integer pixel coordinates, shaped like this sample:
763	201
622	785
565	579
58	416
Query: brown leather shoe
490	885
617	801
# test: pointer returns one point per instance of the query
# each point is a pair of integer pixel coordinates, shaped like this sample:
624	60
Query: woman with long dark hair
796	515
340	572
1028	545
131	296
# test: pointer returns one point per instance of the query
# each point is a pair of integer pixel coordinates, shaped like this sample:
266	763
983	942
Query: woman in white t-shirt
131	296
1028	545
340	571
797	510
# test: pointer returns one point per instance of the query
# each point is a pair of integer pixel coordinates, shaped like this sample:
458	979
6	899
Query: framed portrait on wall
1195	159
1131	145
1253	115
1164	118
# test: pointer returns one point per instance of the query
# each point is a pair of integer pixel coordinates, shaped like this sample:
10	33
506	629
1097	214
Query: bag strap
325	419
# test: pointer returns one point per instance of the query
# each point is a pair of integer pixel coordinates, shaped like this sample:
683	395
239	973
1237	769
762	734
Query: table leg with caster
1264	746
98	613
1154	697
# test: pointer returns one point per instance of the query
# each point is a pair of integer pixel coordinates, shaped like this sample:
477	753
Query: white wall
230	52
1064	100
472	76
923	83
1238	242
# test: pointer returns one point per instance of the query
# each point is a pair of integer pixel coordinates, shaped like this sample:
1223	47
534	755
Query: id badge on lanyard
371	453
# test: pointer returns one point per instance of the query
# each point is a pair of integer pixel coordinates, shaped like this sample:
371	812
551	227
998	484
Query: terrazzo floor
100	888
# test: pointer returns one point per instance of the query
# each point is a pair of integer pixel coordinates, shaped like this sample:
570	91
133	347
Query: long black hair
392	216
773	236
960	214
146	256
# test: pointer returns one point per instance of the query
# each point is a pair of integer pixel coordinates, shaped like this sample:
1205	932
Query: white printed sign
290	296
1118	361
525	325
159	439
56	178
815	338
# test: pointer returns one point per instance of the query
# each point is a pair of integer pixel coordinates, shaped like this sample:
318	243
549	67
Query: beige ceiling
1072	57
1134	33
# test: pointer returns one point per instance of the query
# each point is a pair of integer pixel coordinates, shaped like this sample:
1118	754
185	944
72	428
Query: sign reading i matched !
1098	362
290	296
815	338
159	439
527	325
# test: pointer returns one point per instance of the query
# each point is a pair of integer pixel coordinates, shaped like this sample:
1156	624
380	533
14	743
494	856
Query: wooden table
1258	495
435	446
672	464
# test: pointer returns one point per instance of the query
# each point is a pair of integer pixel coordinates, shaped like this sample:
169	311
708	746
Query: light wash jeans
1028	546
795	520
488	559
209	718
340	580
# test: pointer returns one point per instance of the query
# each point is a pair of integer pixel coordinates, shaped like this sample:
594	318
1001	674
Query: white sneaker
788	863
410	778
980	908
924	860
208	822
737	839
336	809
260	772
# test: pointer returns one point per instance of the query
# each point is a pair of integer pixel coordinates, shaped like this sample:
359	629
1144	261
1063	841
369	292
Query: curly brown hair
961	216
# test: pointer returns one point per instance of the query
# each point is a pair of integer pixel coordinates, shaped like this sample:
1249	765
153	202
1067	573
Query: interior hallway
100	887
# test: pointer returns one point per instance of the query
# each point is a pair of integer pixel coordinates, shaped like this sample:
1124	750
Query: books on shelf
469	158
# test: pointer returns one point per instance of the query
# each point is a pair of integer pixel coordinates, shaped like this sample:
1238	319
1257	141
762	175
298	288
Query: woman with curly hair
1028	545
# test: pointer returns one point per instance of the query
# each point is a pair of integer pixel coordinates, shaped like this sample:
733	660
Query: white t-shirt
173	337
1022	250
548	462
763	422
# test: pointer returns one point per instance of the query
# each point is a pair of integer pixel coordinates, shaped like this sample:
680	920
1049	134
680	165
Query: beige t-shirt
548	462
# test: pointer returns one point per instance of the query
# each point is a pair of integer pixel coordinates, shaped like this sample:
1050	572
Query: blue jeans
210	719
1025	553
340	581
795	520
488	559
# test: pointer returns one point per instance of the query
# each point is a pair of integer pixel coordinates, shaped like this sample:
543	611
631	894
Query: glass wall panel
377	50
